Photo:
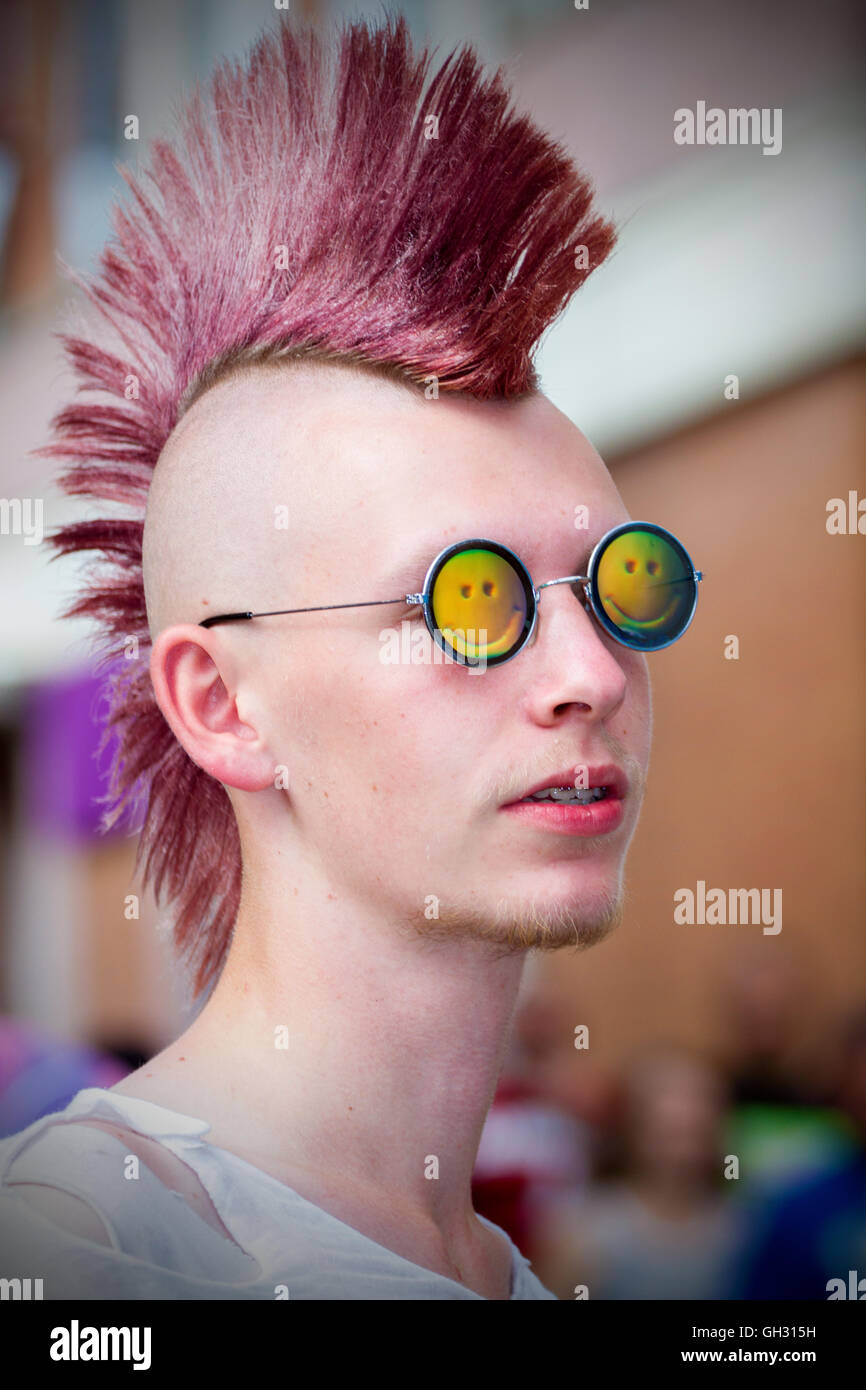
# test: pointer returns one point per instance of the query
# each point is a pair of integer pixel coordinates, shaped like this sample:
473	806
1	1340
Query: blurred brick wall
758	773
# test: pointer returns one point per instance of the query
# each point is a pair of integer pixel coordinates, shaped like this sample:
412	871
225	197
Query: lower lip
569	818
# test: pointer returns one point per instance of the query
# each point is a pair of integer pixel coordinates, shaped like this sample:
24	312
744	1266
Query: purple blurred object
62	725
40	1074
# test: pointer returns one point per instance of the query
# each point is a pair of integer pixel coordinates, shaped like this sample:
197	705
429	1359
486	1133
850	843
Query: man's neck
357	1065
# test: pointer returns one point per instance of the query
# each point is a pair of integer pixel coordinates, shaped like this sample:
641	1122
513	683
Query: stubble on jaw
511	926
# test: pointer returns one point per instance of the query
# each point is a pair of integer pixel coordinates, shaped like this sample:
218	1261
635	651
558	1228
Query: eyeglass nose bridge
582	579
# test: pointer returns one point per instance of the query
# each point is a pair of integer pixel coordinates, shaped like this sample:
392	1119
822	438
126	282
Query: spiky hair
321	201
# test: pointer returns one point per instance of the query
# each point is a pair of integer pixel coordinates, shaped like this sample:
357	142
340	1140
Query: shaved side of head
234	491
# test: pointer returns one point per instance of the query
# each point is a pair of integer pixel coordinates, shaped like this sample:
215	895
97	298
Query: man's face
397	772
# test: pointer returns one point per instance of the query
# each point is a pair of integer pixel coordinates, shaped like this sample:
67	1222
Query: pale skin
362	788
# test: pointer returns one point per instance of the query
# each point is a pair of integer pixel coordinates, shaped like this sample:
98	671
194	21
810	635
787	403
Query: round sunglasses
481	606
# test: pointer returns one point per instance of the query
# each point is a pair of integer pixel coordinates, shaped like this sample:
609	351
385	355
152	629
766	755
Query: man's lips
606	775
584	819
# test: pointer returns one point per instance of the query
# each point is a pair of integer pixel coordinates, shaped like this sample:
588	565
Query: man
331	318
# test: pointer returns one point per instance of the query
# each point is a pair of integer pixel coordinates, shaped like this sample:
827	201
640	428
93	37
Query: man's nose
575	662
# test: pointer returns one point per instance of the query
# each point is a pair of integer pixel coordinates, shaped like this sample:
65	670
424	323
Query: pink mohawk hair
308	206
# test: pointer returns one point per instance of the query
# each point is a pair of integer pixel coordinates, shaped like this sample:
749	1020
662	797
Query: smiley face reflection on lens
478	592
643	583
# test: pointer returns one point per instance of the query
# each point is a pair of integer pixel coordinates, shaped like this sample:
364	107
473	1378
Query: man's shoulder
57	1170
50	1215
100	1211
67	1214
74	1171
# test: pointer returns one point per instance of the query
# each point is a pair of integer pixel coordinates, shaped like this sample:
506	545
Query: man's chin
535	924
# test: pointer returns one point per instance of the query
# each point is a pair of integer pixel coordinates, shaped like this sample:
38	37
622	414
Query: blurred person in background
782	1124
813	1232
761	1000
665	1228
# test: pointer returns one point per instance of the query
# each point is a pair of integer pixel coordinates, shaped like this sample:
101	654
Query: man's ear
202	712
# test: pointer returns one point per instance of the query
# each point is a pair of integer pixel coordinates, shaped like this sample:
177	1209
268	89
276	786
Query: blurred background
683	1110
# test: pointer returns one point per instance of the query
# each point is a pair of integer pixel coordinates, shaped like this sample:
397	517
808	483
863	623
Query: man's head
328	239
293	486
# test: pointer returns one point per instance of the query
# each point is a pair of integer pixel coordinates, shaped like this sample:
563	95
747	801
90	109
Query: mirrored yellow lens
644	585
479	604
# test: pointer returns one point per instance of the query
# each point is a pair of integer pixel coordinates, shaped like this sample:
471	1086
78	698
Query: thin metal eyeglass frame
586	581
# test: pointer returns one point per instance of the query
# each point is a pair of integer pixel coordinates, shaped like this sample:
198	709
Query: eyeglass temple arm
321	608
380	602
